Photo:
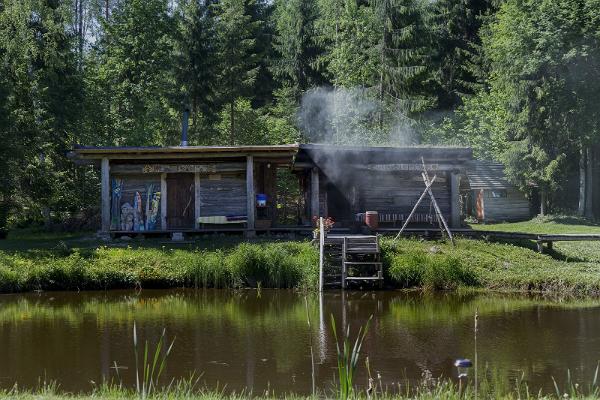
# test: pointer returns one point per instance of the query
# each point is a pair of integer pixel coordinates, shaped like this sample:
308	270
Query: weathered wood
224	196
196	199
454	200
154	168
105	188
415	207
314	193
163	201
250	195
321	252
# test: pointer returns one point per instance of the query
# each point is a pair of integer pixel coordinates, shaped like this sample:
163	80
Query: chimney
184	127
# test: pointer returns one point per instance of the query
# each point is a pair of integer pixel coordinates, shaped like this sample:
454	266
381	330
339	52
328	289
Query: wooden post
163	201
314	193
321	252
454	200
250	196
196	200
105	196
344	271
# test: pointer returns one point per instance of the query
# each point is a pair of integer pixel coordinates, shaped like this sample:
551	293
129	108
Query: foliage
517	80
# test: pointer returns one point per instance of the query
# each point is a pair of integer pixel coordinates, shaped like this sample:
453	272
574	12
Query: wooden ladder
352	259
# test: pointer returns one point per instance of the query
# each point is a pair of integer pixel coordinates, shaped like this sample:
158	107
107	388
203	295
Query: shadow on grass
531	245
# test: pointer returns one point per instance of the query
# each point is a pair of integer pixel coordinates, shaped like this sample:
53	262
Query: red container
372	219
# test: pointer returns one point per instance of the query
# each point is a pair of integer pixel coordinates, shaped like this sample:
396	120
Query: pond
261	339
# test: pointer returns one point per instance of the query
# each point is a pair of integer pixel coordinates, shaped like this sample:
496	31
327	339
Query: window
498	193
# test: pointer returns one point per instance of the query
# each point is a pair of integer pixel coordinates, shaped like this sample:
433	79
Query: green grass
477	264
82	264
39	261
428	390
556	224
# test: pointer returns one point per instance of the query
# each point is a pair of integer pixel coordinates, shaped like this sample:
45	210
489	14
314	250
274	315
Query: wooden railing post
106	195
321	252
250	196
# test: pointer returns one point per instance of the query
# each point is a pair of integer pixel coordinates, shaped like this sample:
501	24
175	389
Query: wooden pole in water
321	252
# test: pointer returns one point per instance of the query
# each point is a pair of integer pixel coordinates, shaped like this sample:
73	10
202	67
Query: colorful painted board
116	191
138	214
154	210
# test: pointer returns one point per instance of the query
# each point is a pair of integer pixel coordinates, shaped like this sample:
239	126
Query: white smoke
353	117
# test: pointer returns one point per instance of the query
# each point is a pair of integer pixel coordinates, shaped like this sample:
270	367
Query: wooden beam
454	200
314	193
105	194
163	201
250	196
196	200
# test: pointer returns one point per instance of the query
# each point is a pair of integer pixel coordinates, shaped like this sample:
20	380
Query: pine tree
238	64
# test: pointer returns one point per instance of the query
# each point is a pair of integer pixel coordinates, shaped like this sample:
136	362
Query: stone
177	237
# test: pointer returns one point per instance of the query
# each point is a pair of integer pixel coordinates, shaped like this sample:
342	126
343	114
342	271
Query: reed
153	364
347	356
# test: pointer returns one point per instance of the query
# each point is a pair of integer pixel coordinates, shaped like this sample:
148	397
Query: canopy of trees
517	80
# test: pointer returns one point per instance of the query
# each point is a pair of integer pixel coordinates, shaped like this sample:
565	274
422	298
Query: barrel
372	219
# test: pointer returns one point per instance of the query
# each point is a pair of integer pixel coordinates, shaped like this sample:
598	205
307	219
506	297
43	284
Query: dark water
261	340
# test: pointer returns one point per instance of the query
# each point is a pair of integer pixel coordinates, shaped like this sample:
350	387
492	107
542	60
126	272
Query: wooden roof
173	152
319	153
487	175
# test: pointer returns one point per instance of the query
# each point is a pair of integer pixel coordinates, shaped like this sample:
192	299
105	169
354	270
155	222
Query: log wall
398	193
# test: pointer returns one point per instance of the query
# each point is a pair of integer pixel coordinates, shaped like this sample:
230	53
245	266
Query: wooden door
180	201
479	206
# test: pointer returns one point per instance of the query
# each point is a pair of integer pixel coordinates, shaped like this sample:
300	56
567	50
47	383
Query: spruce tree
197	64
236	52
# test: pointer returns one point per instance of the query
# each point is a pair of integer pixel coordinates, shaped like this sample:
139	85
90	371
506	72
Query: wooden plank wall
513	207
222	195
398	192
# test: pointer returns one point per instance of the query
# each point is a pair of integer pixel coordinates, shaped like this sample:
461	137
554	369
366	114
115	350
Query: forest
516	80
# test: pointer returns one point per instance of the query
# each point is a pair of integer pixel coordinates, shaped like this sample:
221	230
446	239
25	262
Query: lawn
582	251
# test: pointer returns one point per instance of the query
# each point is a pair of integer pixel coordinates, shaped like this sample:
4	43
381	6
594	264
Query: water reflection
260	340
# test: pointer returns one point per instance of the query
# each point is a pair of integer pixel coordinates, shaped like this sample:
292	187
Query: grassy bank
141	265
556	224
432	390
31	261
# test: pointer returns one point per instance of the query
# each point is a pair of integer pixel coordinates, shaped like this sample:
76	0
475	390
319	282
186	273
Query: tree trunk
231	124
80	33
582	183
106	9
543	201
46	216
589	179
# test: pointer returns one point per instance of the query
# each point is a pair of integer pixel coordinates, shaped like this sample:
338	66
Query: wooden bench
565	237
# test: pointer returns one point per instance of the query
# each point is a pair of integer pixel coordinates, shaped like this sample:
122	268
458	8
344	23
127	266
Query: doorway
180	201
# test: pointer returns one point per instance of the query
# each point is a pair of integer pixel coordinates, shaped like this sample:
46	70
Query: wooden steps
352	259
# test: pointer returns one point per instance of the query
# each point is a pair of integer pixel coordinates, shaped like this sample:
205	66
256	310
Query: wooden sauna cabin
253	189
388	180
187	188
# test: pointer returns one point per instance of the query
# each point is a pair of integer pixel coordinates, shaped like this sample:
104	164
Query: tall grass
153	364
347	356
269	265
